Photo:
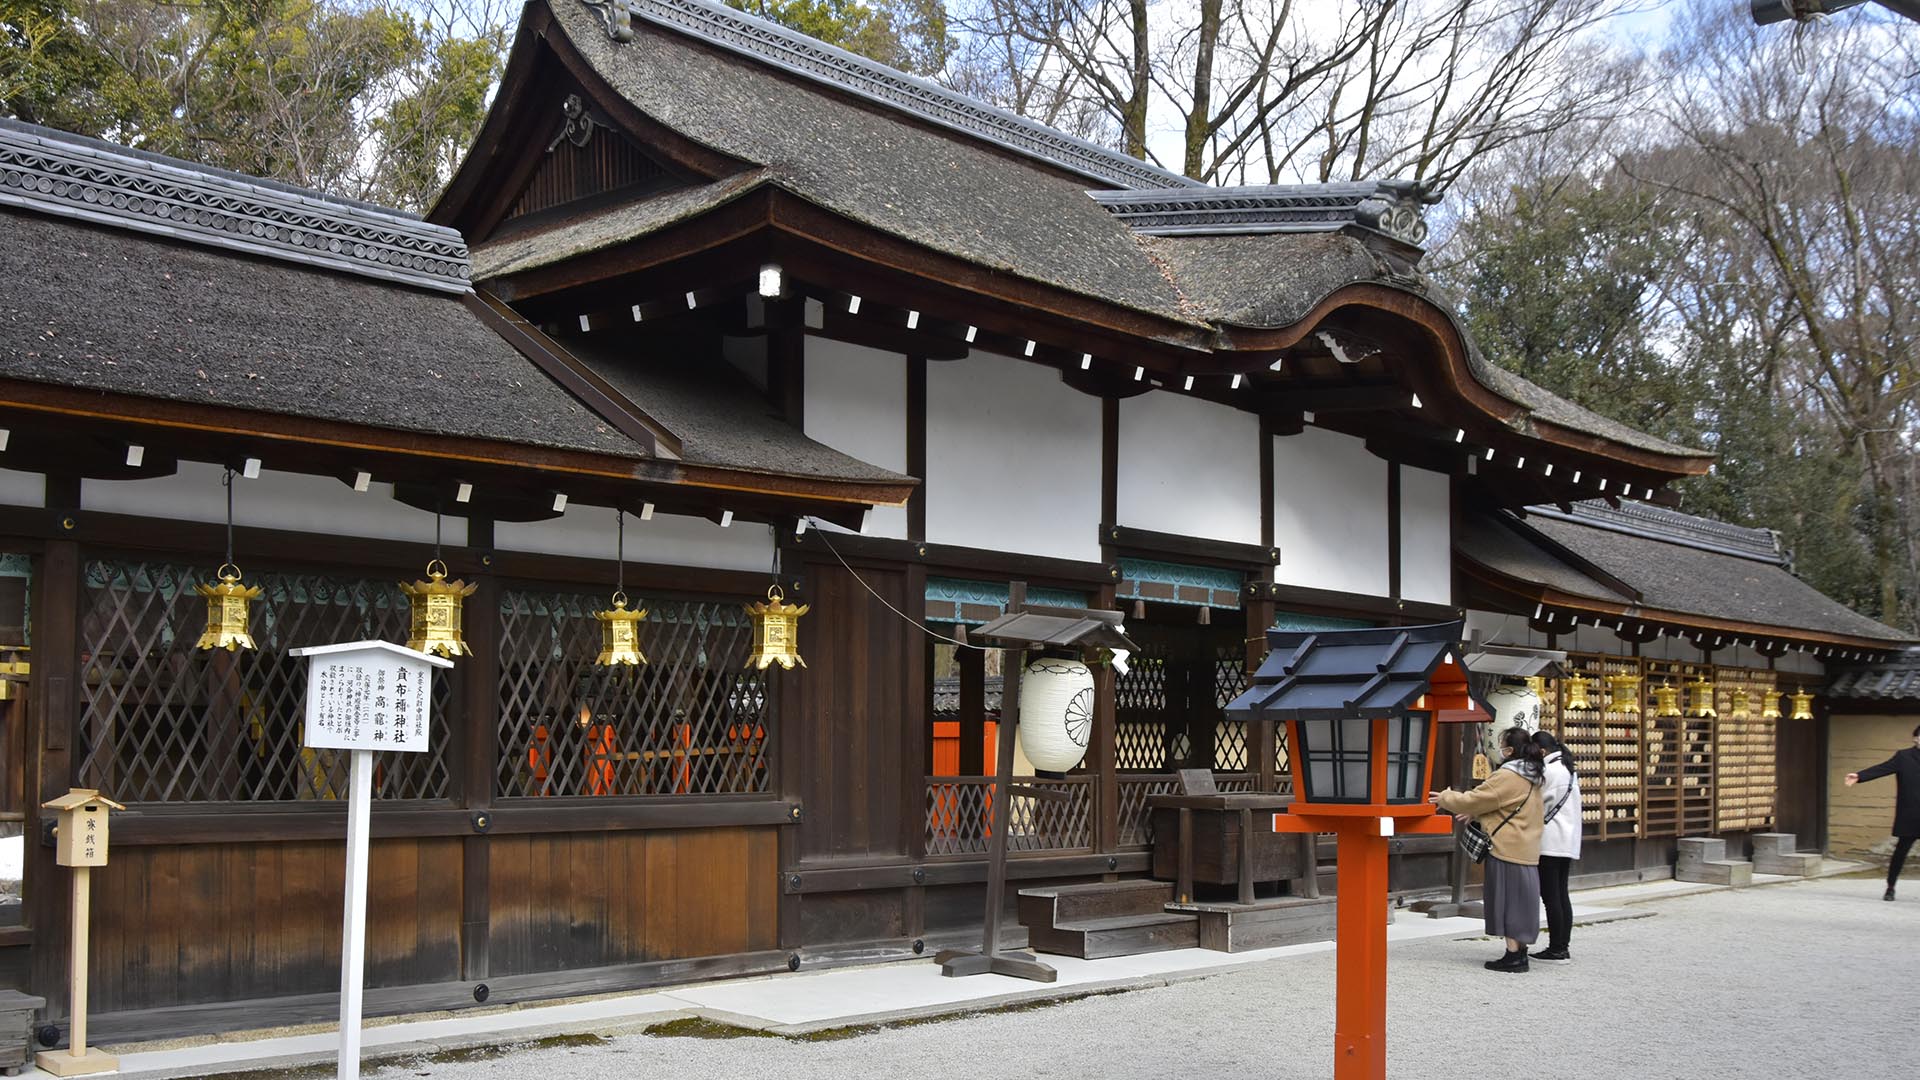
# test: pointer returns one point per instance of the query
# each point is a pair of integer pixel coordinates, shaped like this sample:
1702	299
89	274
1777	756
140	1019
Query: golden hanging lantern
1739	704
227	610
1770	705
1700	699
620	634
1577	692
437	606
776	632
1666	700
1623	693
1802	704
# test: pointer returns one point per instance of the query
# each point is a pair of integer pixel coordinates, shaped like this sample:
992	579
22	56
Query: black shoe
1513	961
1889	895
1553	956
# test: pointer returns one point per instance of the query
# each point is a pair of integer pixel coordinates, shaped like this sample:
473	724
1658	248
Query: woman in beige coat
1507	805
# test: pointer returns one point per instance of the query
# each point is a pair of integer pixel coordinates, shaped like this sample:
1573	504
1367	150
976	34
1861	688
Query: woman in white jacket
1559	844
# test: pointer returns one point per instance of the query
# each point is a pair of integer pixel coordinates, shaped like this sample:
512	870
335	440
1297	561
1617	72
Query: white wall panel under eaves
1426	536
1330	513
1013	459
1189	467
296	502
856	402
666	540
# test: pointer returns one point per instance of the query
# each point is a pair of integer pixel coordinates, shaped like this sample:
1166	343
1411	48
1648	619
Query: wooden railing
1136	817
960	816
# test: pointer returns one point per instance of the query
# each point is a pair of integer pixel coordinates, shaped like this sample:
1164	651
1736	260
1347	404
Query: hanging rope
619	554
226	480
908	619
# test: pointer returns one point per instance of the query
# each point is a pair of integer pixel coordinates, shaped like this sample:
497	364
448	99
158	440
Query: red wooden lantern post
1362	708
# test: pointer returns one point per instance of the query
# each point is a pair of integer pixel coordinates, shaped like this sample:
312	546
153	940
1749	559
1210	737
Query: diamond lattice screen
163	721
691	721
1229	736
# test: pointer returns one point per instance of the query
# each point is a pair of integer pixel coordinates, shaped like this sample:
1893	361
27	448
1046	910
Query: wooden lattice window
691	721
1229	736
1745	779
1140	708
163	721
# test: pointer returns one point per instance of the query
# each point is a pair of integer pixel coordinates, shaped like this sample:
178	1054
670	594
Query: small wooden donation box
1216	837
81	831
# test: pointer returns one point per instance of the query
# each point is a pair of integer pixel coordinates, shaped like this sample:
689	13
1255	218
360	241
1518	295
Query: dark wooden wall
574	900
856	716
175	925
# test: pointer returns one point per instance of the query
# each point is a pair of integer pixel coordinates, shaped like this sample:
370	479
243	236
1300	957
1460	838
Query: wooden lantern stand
81	843
1023	627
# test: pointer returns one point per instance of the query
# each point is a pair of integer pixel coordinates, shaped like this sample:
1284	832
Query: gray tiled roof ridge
792	51
1387	206
1674	527
60	173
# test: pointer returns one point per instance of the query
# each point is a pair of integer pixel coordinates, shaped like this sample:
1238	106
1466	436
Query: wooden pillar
1263	737
476	740
54	709
973	714
914	725
1103	754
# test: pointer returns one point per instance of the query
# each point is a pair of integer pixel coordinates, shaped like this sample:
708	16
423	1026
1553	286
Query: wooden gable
587	159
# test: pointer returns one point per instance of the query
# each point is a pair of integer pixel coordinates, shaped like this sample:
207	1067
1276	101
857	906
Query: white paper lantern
1056	713
1513	706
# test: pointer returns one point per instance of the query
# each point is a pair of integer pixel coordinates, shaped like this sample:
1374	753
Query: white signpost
364	696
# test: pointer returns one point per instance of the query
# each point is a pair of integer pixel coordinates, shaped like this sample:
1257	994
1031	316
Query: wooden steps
1704	859
1263	924
1101	919
1778	853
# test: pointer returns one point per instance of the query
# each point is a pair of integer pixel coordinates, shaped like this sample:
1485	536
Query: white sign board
363	696
369	695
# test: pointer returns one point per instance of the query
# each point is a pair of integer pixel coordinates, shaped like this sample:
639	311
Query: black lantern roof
1037	626
1326	674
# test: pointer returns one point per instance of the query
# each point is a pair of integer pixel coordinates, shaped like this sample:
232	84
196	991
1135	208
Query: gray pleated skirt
1512	897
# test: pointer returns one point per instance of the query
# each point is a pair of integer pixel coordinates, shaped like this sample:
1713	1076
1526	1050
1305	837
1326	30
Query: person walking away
1904	767
1507	805
1559	843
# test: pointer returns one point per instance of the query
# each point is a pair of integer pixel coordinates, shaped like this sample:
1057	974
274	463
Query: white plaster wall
1798	663
1190	467
1330	513
1426	536
667	540
1497	628
1013	459
856	402
273	500
22	488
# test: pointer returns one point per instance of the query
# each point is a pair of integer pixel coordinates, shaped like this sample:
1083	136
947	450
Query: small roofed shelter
1647	600
1872	709
1022	629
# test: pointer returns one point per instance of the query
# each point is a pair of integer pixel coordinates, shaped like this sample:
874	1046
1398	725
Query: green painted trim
958	591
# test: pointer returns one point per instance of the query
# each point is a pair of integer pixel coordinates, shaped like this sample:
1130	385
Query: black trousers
1901	845
1554	870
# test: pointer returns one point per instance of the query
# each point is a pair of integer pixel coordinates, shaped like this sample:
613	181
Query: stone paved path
1810	980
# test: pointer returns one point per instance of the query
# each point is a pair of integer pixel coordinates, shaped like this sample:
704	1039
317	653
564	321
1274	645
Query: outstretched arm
1885	768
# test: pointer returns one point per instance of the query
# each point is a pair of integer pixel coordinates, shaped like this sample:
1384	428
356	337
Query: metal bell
620	634
776	632
1700	699
227	610
1666	700
437	607
1577	692
1802	705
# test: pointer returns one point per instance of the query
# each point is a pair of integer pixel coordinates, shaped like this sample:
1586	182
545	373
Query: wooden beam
577	814
1191	548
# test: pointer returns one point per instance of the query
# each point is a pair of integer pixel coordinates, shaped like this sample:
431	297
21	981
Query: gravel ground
1814	979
